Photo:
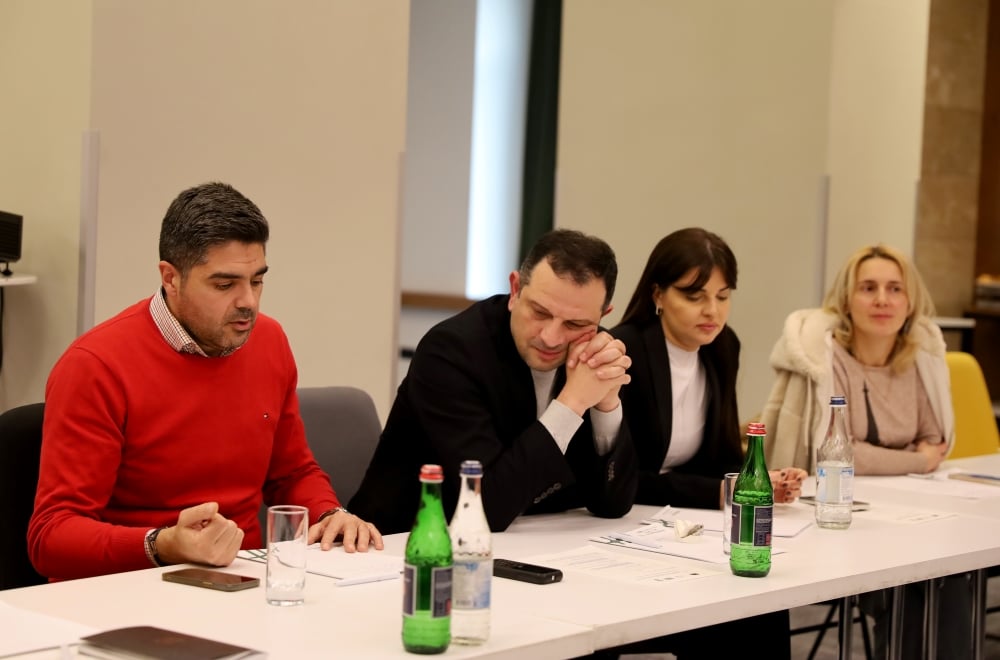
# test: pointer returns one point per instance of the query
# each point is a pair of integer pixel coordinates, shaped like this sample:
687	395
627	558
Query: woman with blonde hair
875	343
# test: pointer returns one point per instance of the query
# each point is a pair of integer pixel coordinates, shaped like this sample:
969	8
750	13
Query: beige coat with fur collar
796	413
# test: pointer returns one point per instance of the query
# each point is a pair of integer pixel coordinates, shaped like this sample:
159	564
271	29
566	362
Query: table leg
845	627
895	641
979	614
931	588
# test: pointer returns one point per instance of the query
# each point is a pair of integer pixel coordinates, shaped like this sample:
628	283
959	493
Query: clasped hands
787	484
596	368
204	536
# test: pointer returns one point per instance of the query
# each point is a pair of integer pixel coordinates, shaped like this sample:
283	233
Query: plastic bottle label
834	484
439	590
472	580
759	533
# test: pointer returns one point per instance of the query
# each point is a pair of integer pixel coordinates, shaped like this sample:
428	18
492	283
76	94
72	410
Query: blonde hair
920	306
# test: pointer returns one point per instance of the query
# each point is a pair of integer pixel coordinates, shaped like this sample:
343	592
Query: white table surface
579	614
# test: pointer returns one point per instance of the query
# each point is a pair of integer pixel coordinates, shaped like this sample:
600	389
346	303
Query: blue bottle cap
838	401
471	468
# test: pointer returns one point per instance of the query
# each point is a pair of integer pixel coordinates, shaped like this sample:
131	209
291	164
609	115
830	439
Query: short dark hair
576	255
205	216
671	259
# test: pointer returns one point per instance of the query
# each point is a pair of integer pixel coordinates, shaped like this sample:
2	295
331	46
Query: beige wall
299	105
739	117
877	77
45	77
709	114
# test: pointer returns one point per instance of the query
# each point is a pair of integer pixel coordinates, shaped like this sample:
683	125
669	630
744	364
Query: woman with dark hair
681	403
680	407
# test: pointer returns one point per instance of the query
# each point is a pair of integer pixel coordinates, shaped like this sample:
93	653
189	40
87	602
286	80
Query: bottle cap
838	400
431	473
471	468
756	428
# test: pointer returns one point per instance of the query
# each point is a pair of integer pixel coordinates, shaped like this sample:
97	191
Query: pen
993	477
988	479
632	539
361	579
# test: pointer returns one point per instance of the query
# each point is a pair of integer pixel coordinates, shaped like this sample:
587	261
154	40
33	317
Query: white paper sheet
346	567
620	567
662	540
939	483
781	525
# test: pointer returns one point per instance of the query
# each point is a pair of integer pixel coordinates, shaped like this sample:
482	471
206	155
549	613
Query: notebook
152	643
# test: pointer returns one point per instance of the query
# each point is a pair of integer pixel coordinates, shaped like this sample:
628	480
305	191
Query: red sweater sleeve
81	454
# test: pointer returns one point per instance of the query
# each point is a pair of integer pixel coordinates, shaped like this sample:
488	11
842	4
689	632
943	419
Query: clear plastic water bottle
835	471
472	553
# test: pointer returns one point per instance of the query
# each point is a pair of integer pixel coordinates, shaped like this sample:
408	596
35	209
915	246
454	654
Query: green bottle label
752	524
427	588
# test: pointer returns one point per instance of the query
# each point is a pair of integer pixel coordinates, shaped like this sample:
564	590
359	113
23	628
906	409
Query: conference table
916	530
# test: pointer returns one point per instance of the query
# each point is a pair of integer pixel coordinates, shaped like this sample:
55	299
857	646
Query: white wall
45	78
299	105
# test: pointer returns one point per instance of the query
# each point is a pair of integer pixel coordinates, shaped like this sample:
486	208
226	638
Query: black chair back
20	448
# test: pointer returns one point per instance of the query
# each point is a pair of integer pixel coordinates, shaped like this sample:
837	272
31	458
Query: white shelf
17	279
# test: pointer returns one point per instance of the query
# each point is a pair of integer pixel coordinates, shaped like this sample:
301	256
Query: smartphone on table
516	570
209	579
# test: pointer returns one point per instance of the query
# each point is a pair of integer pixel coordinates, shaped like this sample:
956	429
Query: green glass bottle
427	572
753	511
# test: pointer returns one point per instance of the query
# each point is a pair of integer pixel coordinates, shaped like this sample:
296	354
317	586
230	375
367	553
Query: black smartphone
516	570
203	577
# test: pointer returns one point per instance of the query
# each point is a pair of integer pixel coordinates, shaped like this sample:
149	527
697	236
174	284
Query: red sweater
135	431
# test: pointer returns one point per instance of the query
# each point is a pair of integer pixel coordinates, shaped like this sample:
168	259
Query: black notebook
151	643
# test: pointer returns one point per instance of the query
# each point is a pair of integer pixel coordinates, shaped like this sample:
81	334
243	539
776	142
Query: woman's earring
659	310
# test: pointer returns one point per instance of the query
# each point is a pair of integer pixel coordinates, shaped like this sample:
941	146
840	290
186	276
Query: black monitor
10	238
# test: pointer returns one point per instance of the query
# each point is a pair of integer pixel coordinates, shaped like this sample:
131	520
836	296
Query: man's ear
515	288
170	278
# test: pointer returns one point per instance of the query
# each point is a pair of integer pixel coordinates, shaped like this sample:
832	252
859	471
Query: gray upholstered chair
342	428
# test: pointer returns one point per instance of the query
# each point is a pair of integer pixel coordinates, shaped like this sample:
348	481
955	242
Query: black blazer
649	413
469	395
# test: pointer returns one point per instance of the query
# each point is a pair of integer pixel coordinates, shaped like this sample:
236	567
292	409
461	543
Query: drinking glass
728	484
287	536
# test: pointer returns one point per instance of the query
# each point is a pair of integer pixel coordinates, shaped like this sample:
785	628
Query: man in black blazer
527	383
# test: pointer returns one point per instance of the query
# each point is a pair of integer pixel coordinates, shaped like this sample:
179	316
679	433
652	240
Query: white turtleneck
687	384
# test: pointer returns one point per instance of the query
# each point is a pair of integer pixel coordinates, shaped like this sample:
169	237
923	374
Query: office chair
20	448
342	429
976	430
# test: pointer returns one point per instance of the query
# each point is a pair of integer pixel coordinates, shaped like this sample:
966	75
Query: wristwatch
151	553
329	513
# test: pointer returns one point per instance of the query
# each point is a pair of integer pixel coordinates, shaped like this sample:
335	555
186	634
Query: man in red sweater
167	425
